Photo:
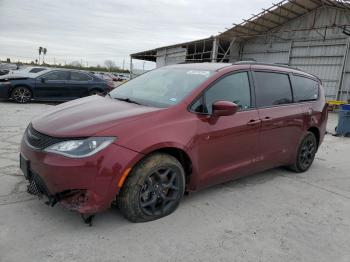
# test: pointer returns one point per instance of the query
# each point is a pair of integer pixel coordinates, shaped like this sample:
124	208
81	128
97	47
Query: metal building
312	35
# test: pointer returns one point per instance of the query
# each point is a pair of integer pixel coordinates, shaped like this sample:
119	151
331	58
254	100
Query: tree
40	51
109	64
44	53
75	64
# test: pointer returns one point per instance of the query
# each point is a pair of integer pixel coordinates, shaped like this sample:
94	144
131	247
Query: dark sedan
53	85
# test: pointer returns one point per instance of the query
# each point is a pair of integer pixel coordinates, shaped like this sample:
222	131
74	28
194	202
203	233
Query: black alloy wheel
153	189
160	191
306	153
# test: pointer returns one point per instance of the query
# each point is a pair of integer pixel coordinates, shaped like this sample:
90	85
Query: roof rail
253	62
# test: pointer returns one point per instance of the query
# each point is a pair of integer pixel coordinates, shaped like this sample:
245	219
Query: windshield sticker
198	72
173	99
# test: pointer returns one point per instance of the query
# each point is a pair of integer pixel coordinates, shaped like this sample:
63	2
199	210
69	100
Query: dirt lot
272	216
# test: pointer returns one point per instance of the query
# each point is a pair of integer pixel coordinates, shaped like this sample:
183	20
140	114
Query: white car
27	71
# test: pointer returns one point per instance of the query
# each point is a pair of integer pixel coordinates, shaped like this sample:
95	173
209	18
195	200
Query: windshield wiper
128	100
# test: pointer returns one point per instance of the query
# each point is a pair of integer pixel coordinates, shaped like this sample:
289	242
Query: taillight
110	83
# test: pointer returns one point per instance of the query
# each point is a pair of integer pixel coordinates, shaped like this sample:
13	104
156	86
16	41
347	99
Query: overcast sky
96	30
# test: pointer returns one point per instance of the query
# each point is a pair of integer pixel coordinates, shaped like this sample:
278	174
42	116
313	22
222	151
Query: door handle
253	122
267	119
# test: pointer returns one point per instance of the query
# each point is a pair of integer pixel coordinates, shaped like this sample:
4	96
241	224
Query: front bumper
4	90
86	185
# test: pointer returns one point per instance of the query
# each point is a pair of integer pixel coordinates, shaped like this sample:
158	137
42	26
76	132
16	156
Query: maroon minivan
172	130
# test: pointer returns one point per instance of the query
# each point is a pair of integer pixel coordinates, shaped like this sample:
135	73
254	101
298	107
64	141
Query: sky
97	30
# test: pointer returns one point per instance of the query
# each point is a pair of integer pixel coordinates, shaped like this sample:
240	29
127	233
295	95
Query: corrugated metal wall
319	52
171	56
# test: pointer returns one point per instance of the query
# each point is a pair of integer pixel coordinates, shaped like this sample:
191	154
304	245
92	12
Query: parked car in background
28	70
110	78
174	129
5	68
122	77
51	85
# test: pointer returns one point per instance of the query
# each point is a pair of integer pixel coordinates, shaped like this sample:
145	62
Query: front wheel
306	153
21	94
153	190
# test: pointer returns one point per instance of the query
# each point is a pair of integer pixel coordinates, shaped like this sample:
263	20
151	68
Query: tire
153	189
306	153
21	94
95	92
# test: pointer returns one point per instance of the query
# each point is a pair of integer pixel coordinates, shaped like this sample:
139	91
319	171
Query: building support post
228	49
130	67
214	53
343	71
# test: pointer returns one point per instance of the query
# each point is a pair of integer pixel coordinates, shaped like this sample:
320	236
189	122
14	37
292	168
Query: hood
13	77
87	116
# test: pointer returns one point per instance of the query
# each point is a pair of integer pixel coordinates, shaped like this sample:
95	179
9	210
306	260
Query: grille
37	186
38	140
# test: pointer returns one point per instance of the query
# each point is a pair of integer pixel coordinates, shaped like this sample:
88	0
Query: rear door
52	86
281	119
228	143
79	83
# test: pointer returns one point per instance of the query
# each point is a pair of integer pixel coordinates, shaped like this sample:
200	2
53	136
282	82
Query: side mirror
224	108
42	80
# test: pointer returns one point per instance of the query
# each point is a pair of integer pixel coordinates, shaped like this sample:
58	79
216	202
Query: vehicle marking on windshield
198	72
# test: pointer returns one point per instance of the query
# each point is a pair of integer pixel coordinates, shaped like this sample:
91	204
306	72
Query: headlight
80	148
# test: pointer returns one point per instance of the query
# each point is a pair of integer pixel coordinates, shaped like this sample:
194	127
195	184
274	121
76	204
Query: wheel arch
21	85
179	153
316	132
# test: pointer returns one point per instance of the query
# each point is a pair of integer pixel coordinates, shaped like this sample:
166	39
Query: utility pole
123	63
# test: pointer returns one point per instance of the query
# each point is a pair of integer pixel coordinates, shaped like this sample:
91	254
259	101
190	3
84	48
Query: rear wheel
21	94
95	92
306	153
153	190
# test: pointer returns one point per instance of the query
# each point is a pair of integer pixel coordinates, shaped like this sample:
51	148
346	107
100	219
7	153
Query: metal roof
277	15
264	22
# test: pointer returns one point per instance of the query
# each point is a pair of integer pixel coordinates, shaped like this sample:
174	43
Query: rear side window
77	76
272	89
36	70
304	89
56	75
234	88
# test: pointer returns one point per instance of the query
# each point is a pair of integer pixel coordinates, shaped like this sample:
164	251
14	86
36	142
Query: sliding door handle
253	122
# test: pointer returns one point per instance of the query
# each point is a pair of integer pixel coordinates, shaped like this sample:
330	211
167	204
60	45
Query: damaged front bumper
87	185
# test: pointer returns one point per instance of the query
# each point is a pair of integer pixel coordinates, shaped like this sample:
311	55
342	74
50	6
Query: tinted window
272	89
56	75
77	76
36	70
233	88
304	89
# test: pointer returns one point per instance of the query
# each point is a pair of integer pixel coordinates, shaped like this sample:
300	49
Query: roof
277	15
267	20
146	55
202	66
257	65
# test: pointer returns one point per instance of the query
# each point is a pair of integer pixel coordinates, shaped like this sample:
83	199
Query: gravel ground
271	216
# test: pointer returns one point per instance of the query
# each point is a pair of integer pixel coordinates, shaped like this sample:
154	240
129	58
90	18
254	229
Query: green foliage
90	68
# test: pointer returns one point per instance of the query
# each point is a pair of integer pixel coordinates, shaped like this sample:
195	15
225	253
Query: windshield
162	87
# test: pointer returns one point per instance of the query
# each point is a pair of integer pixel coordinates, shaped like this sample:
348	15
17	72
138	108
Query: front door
228	143
52	86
